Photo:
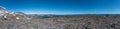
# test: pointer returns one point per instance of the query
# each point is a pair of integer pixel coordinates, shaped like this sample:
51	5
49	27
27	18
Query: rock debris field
19	20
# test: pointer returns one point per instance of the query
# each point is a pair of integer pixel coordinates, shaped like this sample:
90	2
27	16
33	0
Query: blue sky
63	6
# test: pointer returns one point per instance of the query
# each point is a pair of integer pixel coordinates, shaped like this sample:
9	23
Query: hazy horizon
62	6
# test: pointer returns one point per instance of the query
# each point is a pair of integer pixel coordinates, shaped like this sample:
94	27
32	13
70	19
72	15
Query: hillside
18	20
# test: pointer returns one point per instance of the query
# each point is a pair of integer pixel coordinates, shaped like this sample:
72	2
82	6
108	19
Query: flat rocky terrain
19	20
62	22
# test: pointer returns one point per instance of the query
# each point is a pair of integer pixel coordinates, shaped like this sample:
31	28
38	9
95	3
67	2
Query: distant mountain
42	16
7	14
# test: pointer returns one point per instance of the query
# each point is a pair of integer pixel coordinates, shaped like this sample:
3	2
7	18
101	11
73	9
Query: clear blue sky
63	6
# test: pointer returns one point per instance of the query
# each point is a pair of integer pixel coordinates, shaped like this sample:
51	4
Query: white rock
17	18
5	16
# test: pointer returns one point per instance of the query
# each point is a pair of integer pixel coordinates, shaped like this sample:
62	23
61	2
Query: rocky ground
18	20
63	22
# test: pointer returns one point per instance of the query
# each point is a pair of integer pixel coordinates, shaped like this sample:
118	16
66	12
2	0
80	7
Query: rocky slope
18	20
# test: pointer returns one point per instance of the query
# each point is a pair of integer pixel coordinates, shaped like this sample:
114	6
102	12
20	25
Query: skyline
62	6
